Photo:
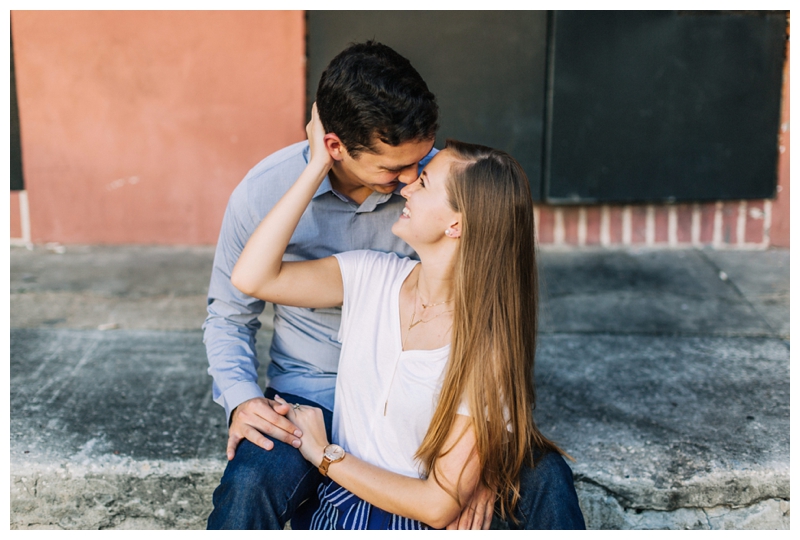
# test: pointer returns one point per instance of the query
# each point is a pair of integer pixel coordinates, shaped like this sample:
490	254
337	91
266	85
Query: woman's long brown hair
495	319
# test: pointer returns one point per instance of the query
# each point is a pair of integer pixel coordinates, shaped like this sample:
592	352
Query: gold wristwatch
331	454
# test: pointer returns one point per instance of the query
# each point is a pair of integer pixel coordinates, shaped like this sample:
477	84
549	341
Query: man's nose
408	175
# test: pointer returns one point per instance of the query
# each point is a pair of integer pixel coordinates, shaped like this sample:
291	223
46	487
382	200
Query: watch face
334	452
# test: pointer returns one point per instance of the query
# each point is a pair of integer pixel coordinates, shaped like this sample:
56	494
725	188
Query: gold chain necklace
413	324
408	331
426	306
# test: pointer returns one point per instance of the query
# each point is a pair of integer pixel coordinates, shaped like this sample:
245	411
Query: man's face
385	168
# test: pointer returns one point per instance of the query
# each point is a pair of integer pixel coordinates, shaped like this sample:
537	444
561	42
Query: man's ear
334	146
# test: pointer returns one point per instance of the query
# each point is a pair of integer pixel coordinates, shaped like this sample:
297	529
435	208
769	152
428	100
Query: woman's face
428	213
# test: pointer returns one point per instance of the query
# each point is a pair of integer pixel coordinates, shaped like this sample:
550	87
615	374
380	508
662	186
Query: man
381	121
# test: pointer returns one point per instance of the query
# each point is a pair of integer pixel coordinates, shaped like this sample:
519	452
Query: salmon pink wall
136	126
16	219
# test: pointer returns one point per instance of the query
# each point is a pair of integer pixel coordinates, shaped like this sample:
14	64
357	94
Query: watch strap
323	467
326	461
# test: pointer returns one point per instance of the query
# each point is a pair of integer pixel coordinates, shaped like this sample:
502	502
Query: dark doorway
665	106
598	107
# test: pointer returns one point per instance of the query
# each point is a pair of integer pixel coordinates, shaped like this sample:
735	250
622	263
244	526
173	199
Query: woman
435	387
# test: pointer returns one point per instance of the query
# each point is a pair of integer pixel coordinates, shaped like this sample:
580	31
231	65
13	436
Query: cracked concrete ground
664	373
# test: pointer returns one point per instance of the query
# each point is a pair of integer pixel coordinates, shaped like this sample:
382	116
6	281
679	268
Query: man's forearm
232	363
229	331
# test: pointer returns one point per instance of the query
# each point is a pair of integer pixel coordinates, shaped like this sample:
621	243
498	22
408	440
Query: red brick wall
721	225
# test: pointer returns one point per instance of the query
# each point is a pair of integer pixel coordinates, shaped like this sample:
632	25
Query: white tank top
373	368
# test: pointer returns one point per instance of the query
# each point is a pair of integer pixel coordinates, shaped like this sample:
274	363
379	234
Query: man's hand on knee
258	417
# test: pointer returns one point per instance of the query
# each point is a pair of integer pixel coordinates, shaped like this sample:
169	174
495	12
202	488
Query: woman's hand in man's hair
315	132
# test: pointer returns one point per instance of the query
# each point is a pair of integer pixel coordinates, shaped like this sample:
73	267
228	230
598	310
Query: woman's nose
410	188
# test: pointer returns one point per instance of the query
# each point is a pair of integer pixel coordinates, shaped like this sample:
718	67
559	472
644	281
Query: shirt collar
324	187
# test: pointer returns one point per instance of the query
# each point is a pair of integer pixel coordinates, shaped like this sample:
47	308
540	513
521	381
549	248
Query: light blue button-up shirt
304	351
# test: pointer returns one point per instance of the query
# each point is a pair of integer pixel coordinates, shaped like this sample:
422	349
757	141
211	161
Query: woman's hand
316	141
309	420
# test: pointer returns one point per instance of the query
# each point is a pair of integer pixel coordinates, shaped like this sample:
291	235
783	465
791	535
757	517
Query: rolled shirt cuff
238	394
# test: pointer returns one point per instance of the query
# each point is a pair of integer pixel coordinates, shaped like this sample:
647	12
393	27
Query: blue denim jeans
263	489
547	496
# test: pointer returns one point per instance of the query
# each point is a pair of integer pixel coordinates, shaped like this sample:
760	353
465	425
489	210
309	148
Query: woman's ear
454	230
334	146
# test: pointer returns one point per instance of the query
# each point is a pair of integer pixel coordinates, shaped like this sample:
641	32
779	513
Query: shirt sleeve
363	272
350	265
463	408
229	331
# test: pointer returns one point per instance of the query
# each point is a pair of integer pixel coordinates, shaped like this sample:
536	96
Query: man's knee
550	470
260	488
246	471
549	500
246	478
254	469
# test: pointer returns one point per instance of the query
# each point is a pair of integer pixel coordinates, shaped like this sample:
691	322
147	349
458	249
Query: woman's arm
421	499
260	271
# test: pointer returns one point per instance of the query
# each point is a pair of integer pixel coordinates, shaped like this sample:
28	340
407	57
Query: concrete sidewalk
664	373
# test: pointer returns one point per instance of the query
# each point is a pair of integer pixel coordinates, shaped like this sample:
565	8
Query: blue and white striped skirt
341	510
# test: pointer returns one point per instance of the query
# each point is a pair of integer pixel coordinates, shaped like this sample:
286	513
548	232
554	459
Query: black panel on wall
16	149
487	69
650	106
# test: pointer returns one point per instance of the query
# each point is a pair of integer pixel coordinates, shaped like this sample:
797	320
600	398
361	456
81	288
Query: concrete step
672	425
